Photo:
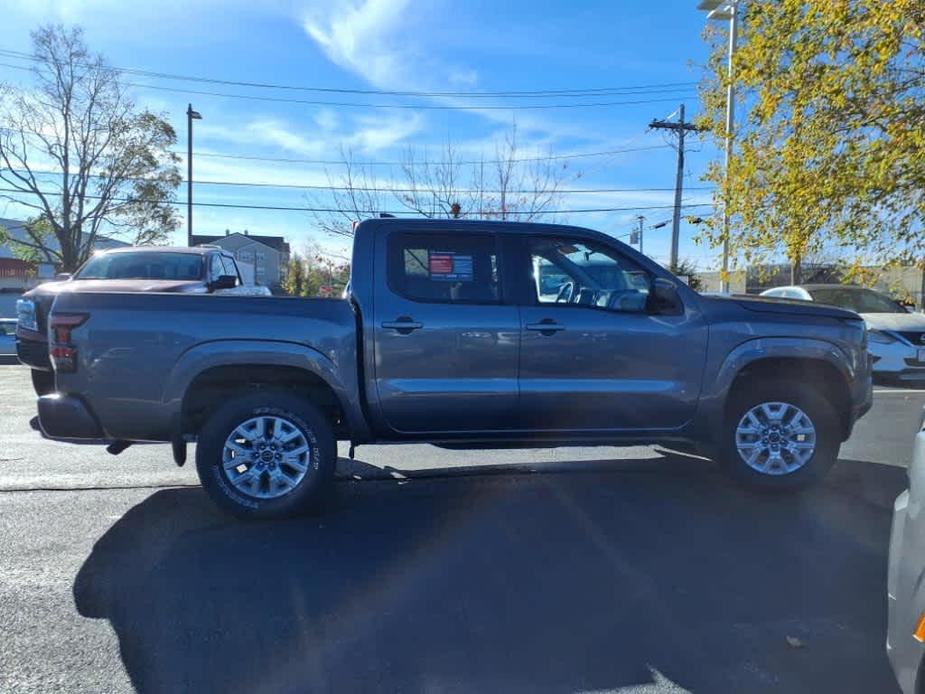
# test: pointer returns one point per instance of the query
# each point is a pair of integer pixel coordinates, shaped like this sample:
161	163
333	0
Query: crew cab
447	336
196	270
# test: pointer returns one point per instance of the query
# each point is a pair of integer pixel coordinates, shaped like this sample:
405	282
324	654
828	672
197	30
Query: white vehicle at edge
905	588
895	337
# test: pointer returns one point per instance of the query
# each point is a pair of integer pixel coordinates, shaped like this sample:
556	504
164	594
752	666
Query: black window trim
397	235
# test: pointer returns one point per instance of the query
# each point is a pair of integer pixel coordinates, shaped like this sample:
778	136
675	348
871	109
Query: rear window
446	269
144	265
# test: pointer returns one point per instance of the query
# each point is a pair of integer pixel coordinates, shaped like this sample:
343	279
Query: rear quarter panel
137	353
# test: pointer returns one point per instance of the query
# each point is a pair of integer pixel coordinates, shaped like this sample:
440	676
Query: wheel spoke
237	448
289	437
295	461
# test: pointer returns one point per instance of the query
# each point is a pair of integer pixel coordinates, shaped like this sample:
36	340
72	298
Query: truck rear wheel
266	454
779	436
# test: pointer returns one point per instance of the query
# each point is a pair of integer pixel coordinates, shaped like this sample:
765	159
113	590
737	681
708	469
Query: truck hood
895	321
79	285
792	307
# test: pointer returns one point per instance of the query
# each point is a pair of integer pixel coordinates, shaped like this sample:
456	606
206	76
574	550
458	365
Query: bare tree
76	151
507	187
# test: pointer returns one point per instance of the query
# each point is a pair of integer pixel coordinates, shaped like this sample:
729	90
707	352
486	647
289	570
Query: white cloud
378	133
362	38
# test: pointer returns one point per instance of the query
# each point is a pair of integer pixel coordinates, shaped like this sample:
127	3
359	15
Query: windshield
145	265
857	300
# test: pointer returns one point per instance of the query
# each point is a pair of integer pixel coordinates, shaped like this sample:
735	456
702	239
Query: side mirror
664	299
62	276
224	282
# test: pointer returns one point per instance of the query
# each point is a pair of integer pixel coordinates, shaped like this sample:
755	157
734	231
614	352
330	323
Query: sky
399	45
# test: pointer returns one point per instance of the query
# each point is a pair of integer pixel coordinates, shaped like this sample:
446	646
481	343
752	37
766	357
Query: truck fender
265	353
718	385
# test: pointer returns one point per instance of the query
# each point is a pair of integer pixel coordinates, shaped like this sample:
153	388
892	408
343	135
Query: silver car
905	589
896	337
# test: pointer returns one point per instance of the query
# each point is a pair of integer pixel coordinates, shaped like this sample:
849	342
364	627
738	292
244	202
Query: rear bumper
33	353
67	417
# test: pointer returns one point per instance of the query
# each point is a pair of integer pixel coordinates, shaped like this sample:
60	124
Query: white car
895	337
905	589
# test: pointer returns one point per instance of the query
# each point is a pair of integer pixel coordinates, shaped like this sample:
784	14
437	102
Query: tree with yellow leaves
831	143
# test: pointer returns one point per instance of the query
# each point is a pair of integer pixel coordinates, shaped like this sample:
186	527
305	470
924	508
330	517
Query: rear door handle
547	327
404	325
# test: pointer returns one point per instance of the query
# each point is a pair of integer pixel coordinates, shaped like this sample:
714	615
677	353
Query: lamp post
191	115
723	10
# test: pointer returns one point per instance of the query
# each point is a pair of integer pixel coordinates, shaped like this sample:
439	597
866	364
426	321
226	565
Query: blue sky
403	45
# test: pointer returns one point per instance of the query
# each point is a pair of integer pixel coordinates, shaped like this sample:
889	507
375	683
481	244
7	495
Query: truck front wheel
266	454
779	436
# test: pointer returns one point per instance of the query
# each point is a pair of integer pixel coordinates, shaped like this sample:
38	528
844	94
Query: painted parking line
898	391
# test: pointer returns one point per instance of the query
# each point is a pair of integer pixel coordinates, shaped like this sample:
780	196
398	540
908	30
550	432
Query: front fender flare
713	398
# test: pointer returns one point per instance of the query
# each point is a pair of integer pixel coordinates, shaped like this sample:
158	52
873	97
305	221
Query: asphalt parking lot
569	570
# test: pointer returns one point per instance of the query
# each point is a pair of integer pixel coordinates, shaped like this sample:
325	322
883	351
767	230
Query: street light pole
726	9
191	115
730	118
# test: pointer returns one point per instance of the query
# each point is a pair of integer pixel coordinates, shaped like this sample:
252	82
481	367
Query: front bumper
897	360
67	417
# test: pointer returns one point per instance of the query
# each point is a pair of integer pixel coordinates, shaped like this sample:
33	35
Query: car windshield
145	265
857	300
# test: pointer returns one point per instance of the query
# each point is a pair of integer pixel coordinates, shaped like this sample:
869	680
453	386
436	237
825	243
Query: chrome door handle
546	327
404	327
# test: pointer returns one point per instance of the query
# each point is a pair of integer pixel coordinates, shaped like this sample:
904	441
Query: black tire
43	382
303	415
813	404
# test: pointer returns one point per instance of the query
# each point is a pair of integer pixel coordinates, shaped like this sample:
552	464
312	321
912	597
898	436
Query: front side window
447	269
583	273
230	268
216	269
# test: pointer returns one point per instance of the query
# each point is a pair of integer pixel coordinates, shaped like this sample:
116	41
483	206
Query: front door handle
402	325
546	326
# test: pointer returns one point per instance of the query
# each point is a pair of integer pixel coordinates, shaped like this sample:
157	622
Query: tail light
63	354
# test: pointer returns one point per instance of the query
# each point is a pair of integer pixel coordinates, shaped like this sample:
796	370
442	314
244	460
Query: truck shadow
545	582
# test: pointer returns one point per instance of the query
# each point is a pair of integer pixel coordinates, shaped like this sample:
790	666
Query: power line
516	160
416	107
374	189
285	208
360	104
535	93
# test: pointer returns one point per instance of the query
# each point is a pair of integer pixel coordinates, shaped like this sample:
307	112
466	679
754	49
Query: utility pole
641	220
191	115
680	129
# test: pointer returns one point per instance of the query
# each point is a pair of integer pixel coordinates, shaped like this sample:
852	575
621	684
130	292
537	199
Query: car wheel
43	382
266	455
779	436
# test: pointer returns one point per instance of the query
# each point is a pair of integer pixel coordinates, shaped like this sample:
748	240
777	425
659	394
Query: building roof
275	242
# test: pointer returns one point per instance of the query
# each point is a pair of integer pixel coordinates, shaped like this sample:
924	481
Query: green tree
294	283
77	152
831	136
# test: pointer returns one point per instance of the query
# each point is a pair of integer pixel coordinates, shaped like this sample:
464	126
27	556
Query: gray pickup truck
447	337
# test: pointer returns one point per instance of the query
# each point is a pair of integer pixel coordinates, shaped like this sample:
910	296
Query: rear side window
445	269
